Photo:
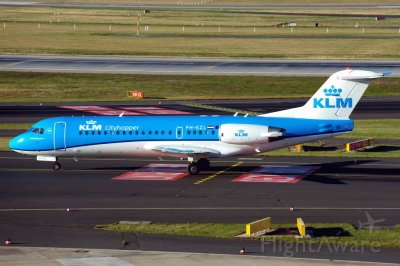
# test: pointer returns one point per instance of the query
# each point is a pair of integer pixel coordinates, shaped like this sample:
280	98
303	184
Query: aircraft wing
187	150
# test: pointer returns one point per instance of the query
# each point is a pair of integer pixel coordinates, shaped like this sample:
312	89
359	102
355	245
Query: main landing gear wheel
203	163
56	166
193	168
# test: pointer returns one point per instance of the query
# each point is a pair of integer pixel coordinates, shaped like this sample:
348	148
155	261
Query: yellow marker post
301	226
258	226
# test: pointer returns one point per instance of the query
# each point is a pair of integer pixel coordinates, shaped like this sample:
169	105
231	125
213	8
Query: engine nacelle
248	133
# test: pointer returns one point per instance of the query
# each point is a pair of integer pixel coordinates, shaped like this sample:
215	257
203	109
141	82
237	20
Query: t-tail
336	99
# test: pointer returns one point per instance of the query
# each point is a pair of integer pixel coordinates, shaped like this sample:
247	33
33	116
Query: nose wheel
56	166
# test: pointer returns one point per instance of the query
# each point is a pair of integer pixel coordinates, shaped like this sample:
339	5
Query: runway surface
181	66
34	200
194	6
368	108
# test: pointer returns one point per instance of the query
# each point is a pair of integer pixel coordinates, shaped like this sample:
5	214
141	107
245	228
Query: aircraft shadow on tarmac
328	173
316	232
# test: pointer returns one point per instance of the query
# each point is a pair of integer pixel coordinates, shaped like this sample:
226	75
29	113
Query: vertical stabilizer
337	97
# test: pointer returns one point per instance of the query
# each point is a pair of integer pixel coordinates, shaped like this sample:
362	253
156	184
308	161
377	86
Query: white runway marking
209	209
93	261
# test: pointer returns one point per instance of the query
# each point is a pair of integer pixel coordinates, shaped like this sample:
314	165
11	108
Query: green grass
378	128
379	151
184	229
200	38
383	238
4	143
347	235
54	87
15	126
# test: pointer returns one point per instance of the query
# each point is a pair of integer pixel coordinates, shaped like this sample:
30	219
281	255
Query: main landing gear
195	167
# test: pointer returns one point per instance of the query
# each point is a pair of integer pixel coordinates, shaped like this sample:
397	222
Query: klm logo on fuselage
241	133
332	100
90	125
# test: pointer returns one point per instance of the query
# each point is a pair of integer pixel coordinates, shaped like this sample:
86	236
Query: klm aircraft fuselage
80	136
199	138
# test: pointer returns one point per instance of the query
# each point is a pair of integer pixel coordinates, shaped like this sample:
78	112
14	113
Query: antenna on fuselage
246	115
236	114
121	114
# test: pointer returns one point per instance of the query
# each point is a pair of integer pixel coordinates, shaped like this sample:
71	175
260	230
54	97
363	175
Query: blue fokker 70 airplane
199	138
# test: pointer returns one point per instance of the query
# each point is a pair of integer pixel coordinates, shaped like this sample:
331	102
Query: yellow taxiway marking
217	173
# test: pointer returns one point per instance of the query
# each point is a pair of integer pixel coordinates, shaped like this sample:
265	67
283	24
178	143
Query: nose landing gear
56	166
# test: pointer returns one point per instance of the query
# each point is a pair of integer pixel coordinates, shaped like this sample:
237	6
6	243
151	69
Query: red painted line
277	174
139	108
87	108
150	176
115	112
165	112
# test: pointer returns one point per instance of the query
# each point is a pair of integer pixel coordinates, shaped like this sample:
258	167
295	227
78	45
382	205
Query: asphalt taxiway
34	200
191	66
193	5
367	108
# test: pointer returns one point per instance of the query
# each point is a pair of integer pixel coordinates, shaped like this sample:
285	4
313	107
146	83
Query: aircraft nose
16	143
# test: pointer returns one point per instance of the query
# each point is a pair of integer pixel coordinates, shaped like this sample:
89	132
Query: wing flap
187	150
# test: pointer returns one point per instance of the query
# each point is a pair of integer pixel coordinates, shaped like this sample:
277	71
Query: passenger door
59	137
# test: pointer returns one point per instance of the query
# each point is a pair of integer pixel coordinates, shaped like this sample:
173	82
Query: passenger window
117	132
188	132
93	132
194	132
86	132
137	132
170	132
80	132
149	132
200	132
143	132
41	131
99	133
124	132
130	132
105	132
156	132
213	132
162	132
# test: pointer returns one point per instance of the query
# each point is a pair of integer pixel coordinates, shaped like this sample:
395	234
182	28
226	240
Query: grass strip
338	234
184	229
65	87
4	143
316	150
15	126
204	33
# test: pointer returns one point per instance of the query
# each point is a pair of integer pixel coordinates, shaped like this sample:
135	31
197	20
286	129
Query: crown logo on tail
332	91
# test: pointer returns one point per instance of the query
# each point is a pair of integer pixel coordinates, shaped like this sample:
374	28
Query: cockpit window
36	130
